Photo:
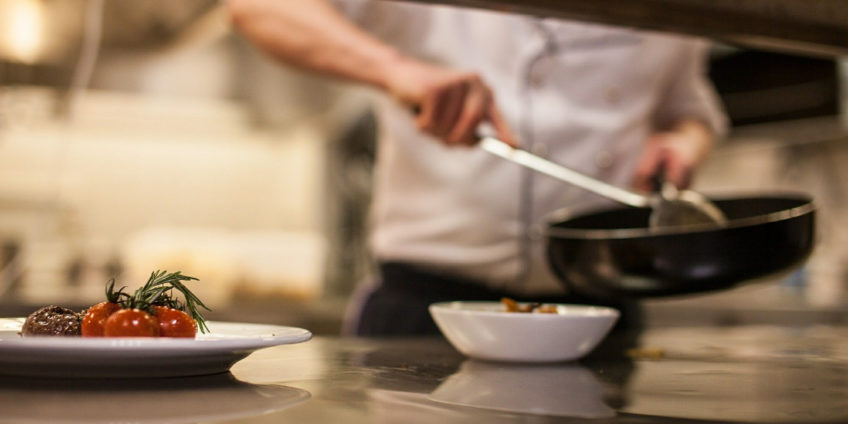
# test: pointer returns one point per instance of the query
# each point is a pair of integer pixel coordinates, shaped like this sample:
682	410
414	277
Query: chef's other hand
676	153
449	104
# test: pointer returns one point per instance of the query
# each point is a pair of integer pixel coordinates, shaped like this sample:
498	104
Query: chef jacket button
603	159
537	78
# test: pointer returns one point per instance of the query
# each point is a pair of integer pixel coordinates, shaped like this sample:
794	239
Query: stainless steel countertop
674	375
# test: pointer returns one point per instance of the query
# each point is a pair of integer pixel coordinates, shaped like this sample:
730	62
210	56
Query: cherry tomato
92	322
174	322
131	323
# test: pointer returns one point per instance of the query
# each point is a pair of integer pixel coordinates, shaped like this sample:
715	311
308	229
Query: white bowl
483	330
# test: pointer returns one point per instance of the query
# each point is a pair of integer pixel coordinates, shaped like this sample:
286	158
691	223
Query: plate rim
204	343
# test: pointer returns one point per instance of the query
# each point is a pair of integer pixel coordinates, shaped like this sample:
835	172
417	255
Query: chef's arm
689	119
313	35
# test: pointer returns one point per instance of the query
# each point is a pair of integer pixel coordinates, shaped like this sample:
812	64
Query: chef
450	221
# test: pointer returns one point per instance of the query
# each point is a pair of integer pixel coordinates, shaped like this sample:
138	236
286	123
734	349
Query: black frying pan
613	253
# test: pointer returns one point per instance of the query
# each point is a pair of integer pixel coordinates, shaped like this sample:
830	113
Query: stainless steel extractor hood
809	27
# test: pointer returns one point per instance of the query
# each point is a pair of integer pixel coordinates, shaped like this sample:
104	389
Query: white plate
210	353
482	330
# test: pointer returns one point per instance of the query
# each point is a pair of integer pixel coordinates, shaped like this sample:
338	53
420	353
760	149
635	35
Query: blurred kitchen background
143	135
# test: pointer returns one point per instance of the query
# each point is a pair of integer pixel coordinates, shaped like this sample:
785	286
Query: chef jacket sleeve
377	17
689	93
400	24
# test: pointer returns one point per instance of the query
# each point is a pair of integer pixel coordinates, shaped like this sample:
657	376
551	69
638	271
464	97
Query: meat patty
52	321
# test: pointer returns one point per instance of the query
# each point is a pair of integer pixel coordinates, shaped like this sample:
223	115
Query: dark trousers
399	306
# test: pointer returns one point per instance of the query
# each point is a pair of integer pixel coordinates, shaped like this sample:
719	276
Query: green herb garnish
158	291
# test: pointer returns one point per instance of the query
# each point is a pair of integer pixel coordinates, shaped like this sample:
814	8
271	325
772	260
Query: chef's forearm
313	35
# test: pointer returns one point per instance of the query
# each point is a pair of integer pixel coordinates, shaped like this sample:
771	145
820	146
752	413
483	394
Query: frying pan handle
498	148
536	163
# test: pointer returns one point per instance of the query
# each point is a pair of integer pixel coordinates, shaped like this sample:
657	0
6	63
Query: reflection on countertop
172	400
744	374
566	390
748	374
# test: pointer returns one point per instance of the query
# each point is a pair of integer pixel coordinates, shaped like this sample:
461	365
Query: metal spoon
669	207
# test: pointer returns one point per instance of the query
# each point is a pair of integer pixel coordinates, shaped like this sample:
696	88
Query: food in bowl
482	330
513	306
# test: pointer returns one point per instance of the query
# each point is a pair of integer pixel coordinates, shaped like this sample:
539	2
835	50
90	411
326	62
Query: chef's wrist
697	136
395	71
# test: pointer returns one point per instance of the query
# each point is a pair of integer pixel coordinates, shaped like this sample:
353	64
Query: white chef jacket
586	96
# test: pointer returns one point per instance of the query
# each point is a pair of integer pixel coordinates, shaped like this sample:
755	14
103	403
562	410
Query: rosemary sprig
115	296
158	291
